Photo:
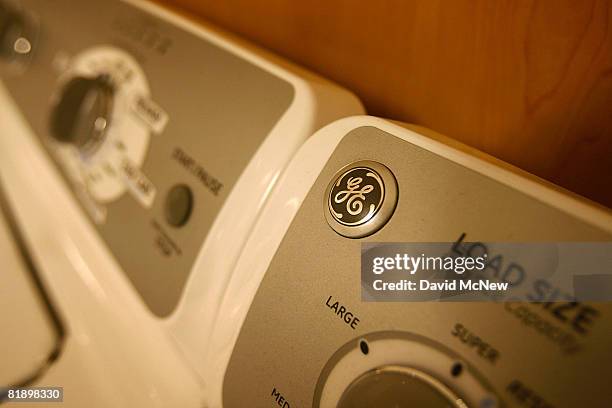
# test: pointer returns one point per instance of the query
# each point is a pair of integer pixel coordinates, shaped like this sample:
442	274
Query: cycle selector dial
420	373
98	127
83	112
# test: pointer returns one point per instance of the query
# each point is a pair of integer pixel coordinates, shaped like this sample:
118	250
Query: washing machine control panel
312	338
151	124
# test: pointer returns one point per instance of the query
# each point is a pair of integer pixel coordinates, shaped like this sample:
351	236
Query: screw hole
363	345
456	369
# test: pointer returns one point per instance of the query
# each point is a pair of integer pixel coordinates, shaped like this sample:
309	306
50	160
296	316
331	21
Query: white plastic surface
28	334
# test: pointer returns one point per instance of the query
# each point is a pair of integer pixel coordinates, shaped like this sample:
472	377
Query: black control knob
13	40
83	112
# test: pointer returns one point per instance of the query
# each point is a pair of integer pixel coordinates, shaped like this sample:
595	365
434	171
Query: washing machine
303	323
137	149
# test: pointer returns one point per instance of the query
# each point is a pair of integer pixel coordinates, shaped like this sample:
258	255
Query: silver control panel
150	124
310	340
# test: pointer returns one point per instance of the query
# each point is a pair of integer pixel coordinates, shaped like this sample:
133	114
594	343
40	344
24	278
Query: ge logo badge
360	199
356	196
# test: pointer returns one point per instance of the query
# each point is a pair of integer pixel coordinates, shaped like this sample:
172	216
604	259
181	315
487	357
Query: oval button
360	199
179	203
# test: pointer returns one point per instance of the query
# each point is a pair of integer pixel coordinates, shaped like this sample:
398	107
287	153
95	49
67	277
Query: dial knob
396	386
83	112
12	33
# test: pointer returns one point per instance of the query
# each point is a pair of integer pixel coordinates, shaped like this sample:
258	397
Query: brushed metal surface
290	334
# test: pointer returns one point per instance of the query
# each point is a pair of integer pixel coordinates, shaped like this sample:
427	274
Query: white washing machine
137	149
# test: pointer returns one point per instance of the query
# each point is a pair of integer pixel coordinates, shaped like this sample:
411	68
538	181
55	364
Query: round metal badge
360	199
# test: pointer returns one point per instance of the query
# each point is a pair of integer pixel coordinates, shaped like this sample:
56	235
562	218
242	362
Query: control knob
83	112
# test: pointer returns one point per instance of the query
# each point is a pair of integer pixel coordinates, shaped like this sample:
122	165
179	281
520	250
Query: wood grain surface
527	81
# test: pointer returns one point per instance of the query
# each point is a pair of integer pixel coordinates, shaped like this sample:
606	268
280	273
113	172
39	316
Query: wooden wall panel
527	81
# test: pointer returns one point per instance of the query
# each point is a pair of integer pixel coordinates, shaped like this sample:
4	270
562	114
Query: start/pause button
179	203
